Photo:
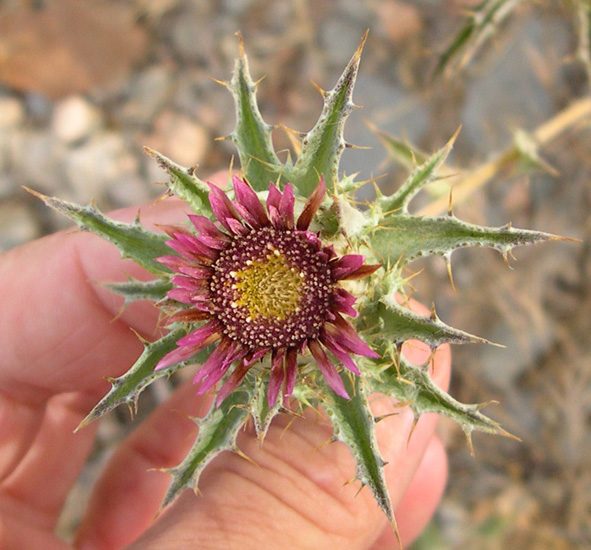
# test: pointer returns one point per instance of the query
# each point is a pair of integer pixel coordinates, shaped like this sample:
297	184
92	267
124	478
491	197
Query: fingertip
421	499
424	493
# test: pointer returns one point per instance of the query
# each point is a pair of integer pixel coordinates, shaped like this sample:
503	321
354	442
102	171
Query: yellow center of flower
272	288
268	288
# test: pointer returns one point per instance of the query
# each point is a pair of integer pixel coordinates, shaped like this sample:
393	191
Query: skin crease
60	336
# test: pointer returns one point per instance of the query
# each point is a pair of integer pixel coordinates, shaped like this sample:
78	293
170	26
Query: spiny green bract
386	234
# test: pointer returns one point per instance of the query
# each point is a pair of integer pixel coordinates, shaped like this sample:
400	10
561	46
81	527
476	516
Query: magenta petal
362	271
346	265
286	205
312	205
196	246
273	198
190	344
206	227
180	354
291	372
236	226
198	272
330	251
247	198
232	382
216	361
312	238
175	356
179	247
189	283
247	216
275	217
218	370
251	359
276	378
221	206
344	334
204	305
212	242
343	301
180	295
200	335
328	370
191	249
340	353
173	261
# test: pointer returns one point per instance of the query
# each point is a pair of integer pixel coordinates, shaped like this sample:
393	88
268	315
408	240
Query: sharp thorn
322	92
241	53
449	272
450	212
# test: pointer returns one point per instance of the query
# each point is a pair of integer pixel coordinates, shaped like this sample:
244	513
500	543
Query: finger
16	533
62	333
424	493
42	480
420	499
129	492
276	500
65	332
126	487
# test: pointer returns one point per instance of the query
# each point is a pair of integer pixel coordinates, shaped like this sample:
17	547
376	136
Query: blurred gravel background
84	85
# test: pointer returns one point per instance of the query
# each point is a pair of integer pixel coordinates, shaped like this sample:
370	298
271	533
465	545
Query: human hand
60	337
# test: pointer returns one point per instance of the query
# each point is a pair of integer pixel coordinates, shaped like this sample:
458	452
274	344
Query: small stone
4	151
66	47
149	91
12	112
39	108
18	225
192	36
180	139
131	191
74	119
7	185
103	159
398	20
34	159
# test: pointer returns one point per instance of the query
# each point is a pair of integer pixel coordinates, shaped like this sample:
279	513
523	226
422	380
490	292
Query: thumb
294	493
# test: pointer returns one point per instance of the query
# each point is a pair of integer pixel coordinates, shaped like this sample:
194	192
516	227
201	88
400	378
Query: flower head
264	284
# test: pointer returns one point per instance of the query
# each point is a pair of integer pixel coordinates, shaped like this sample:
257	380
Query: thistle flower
260	284
265	285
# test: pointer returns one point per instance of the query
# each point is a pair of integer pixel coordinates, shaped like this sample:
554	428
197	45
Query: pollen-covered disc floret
264	284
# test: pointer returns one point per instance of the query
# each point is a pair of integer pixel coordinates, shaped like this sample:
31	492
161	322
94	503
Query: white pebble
11	112
74	119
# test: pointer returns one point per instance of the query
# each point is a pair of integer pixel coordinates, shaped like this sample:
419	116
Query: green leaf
456	46
402	238
354	425
133	289
583	28
218	431
399	150
400	324
262	414
323	146
184	184
252	136
481	24
133	241
412	385
418	178
127	388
